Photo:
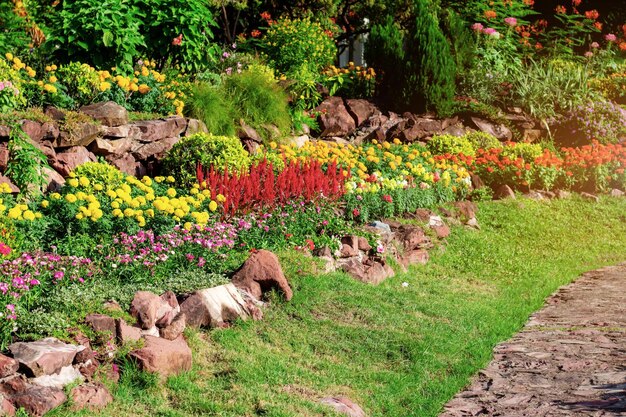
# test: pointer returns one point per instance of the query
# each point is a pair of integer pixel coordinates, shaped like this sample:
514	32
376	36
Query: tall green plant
431	85
13	35
26	163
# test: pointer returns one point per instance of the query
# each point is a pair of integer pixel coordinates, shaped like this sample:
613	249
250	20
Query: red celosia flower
356	212
387	198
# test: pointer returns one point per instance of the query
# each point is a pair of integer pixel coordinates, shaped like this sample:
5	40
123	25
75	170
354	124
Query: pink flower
511	21
4	249
491	32
610	37
595	45
201	262
588	54
477	27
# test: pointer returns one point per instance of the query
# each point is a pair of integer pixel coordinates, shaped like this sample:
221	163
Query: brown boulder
8	366
82	134
502	192
91	396
369	271
261	273
120	132
334	118
149	308
105	147
5	180
348	251
68	160
108	113
364	245
466	210
175	328
33	130
4	156
6	407
125	163
5	132
195	126
414	257
44	357
360	110
215	306
412	237
102	323
13	384
157	148
344	405
37	400
126	333
153	130
500	131
162	356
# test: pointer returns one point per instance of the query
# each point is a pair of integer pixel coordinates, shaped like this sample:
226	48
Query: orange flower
622	46
255	33
490	14
592	14
560	9
598	25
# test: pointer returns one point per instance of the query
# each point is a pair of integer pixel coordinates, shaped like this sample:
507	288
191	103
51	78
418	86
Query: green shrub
432	81
443	144
481	140
218	151
81	82
209	104
385	52
106	33
13	36
259	101
290	43
99	173
528	151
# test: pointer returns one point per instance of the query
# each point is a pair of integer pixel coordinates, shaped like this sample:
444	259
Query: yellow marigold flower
170	179
187	226
45	203
117	213
80	216
53	79
70	198
29	215
212	206
73	182
134	87
129	212
171	192
50	88
98	187
83	181
55	196
220	198
9	56
104	86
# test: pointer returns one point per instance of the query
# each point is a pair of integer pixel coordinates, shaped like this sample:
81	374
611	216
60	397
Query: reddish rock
37	401
360	110
415	257
175	328
423	215
6	407
157	148
13	384
370	271
442	231
590	197
162	356
477	182
84	355
4	156
215	306
195	126
8	366
344	405
562	194
261	273
6	180
54	180
102	323
502	192
50	131
348	251
126	333
91	396
82	134
466	210
501	132
364	245
154	130
54	113
616	193
68	160
412	237
108	113
149	308
105	147
44	357
5	132
334	119
125	163
33	129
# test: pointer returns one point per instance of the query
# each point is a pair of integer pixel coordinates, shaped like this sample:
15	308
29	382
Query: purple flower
226	54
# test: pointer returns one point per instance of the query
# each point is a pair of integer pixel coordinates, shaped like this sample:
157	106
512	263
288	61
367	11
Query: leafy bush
104	32
526	151
13	36
209	104
221	152
166	20
483	140
448	144
99	173
290	43
26	163
81	82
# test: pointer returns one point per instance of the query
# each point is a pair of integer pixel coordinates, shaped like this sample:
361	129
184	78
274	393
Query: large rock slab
152	310
37	401
68	160
82	134
67	375
334	119
261	273
215	306
105	147
500	131
360	110
157	149
44	357
162	356
153	130
108	113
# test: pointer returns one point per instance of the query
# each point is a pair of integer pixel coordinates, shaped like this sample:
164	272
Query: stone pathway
569	360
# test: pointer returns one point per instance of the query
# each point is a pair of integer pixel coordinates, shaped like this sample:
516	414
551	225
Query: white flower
405	284
113	266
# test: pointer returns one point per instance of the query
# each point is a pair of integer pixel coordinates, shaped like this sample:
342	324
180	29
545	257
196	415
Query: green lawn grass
397	351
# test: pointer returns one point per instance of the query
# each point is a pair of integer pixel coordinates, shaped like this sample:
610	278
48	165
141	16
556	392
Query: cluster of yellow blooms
351	70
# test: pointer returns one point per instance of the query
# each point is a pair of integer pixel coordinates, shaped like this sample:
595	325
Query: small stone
364	245
102	323
148	308
590	197
344	405
260	273
215	306
108	113
502	192
91	396
66	376
616	193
